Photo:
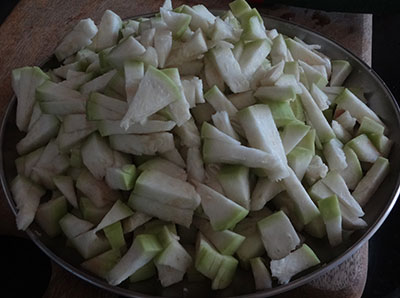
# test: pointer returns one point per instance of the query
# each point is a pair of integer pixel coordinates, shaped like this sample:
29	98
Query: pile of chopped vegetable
214	141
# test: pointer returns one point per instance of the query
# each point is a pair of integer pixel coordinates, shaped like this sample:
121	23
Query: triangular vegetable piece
316	170
222	122
357	109
300	52
297	261
129	49
340	71
281	112
364	148
216	151
334	155
226	241
229	69
254	119
176	22
253	27
26	163
136	220
108	33
40	134
313	75
97	156
89	244
239	7
144	248
292	134
60	100
174	156
156	209
275	93
252	246
121	178
330	212
96	190
92	213
278	50
134	73
49	214
24	83
163	44
156	90
187	53
371	181
225	273
195	165
342	134
73	226
102	107
164	166
278	235
253	55
179	109
189	134
77	39
98	84
223	213
219	101
304	206
299	159
115	236
118	212
208	259
209	131
264	191
235	182
26	195
336	184
172	263
66	185
317	119
262	277
167	190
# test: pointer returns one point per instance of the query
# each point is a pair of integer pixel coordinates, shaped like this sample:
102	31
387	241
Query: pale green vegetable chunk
144	248
24	83
49	214
278	245
156	90
223	213
367	186
262	277
297	261
26	195
330	211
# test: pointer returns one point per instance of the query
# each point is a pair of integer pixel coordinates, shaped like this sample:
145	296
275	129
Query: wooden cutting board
34	28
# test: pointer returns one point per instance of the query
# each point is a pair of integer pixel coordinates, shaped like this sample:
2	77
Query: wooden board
32	31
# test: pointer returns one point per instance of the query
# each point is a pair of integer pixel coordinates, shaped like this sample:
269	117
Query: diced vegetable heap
212	139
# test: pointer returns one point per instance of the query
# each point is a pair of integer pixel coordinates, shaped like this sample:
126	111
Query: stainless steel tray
380	100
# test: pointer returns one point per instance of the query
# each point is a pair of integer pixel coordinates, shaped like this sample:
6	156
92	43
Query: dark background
384	253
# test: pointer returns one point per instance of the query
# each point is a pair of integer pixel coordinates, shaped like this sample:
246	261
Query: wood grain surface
34	28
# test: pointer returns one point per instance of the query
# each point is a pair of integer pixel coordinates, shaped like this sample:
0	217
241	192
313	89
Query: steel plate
380	100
